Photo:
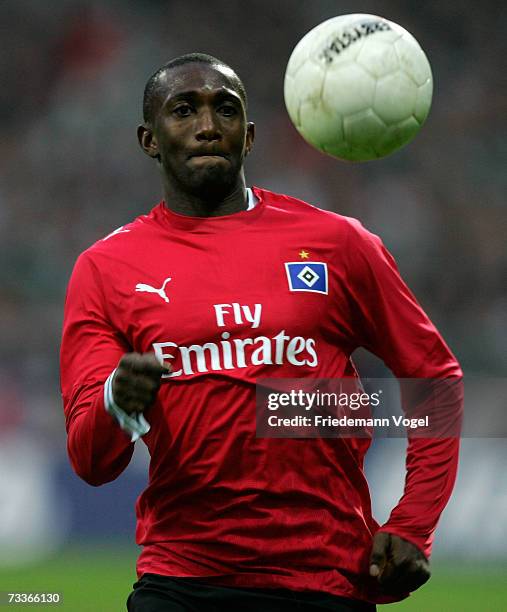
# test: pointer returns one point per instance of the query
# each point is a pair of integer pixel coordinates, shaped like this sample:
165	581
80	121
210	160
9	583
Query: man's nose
208	128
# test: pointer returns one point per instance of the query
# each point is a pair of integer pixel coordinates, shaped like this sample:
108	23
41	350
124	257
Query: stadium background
71	171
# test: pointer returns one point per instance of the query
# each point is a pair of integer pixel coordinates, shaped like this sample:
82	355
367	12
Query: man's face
199	132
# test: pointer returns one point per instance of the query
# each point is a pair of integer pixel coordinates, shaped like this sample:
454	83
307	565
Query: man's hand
398	565
136	381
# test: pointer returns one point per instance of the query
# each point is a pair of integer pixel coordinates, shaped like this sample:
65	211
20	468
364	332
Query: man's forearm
431	463
98	448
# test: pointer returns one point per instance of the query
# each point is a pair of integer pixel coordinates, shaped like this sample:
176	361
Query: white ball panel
412	60
291	102
395	97
298	57
423	101
306	86
348	90
379	59
318	127
362	131
396	136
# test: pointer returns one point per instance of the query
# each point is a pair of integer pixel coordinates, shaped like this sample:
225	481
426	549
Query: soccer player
169	321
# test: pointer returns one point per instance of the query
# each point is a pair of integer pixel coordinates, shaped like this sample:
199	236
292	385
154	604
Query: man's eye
228	110
184	110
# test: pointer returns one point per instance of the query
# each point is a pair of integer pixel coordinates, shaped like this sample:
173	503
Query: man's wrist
134	424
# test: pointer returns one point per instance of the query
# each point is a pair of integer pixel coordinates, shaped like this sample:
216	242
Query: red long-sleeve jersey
214	298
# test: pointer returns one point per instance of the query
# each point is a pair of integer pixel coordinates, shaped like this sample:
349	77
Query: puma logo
118	230
149	289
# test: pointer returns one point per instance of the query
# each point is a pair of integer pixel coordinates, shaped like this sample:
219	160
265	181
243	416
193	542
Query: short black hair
152	85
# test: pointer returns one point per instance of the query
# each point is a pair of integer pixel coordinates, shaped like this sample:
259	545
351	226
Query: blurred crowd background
71	171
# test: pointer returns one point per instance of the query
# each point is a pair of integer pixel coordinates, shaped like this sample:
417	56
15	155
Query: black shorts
154	593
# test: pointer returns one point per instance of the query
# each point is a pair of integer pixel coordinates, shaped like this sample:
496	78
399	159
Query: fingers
379	553
136	381
146	363
134	392
401	566
405	577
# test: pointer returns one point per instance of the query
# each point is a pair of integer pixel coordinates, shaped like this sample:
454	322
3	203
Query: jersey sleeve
389	322
91	348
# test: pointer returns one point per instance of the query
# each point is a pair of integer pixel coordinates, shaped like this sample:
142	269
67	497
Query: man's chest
228	304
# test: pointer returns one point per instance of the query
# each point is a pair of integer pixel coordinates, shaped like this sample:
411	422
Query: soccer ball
358	87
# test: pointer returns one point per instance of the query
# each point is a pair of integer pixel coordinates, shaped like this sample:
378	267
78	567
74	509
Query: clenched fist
137	380
398	565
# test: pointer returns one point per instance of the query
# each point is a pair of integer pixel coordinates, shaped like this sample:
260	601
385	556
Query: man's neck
195	206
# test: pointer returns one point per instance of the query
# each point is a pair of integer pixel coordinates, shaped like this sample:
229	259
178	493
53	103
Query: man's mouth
207	154
207	160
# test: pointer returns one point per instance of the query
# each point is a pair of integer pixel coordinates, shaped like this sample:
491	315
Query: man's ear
148	141
250	137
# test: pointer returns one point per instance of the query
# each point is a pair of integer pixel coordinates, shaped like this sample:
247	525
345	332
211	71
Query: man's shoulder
308	213
125	239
